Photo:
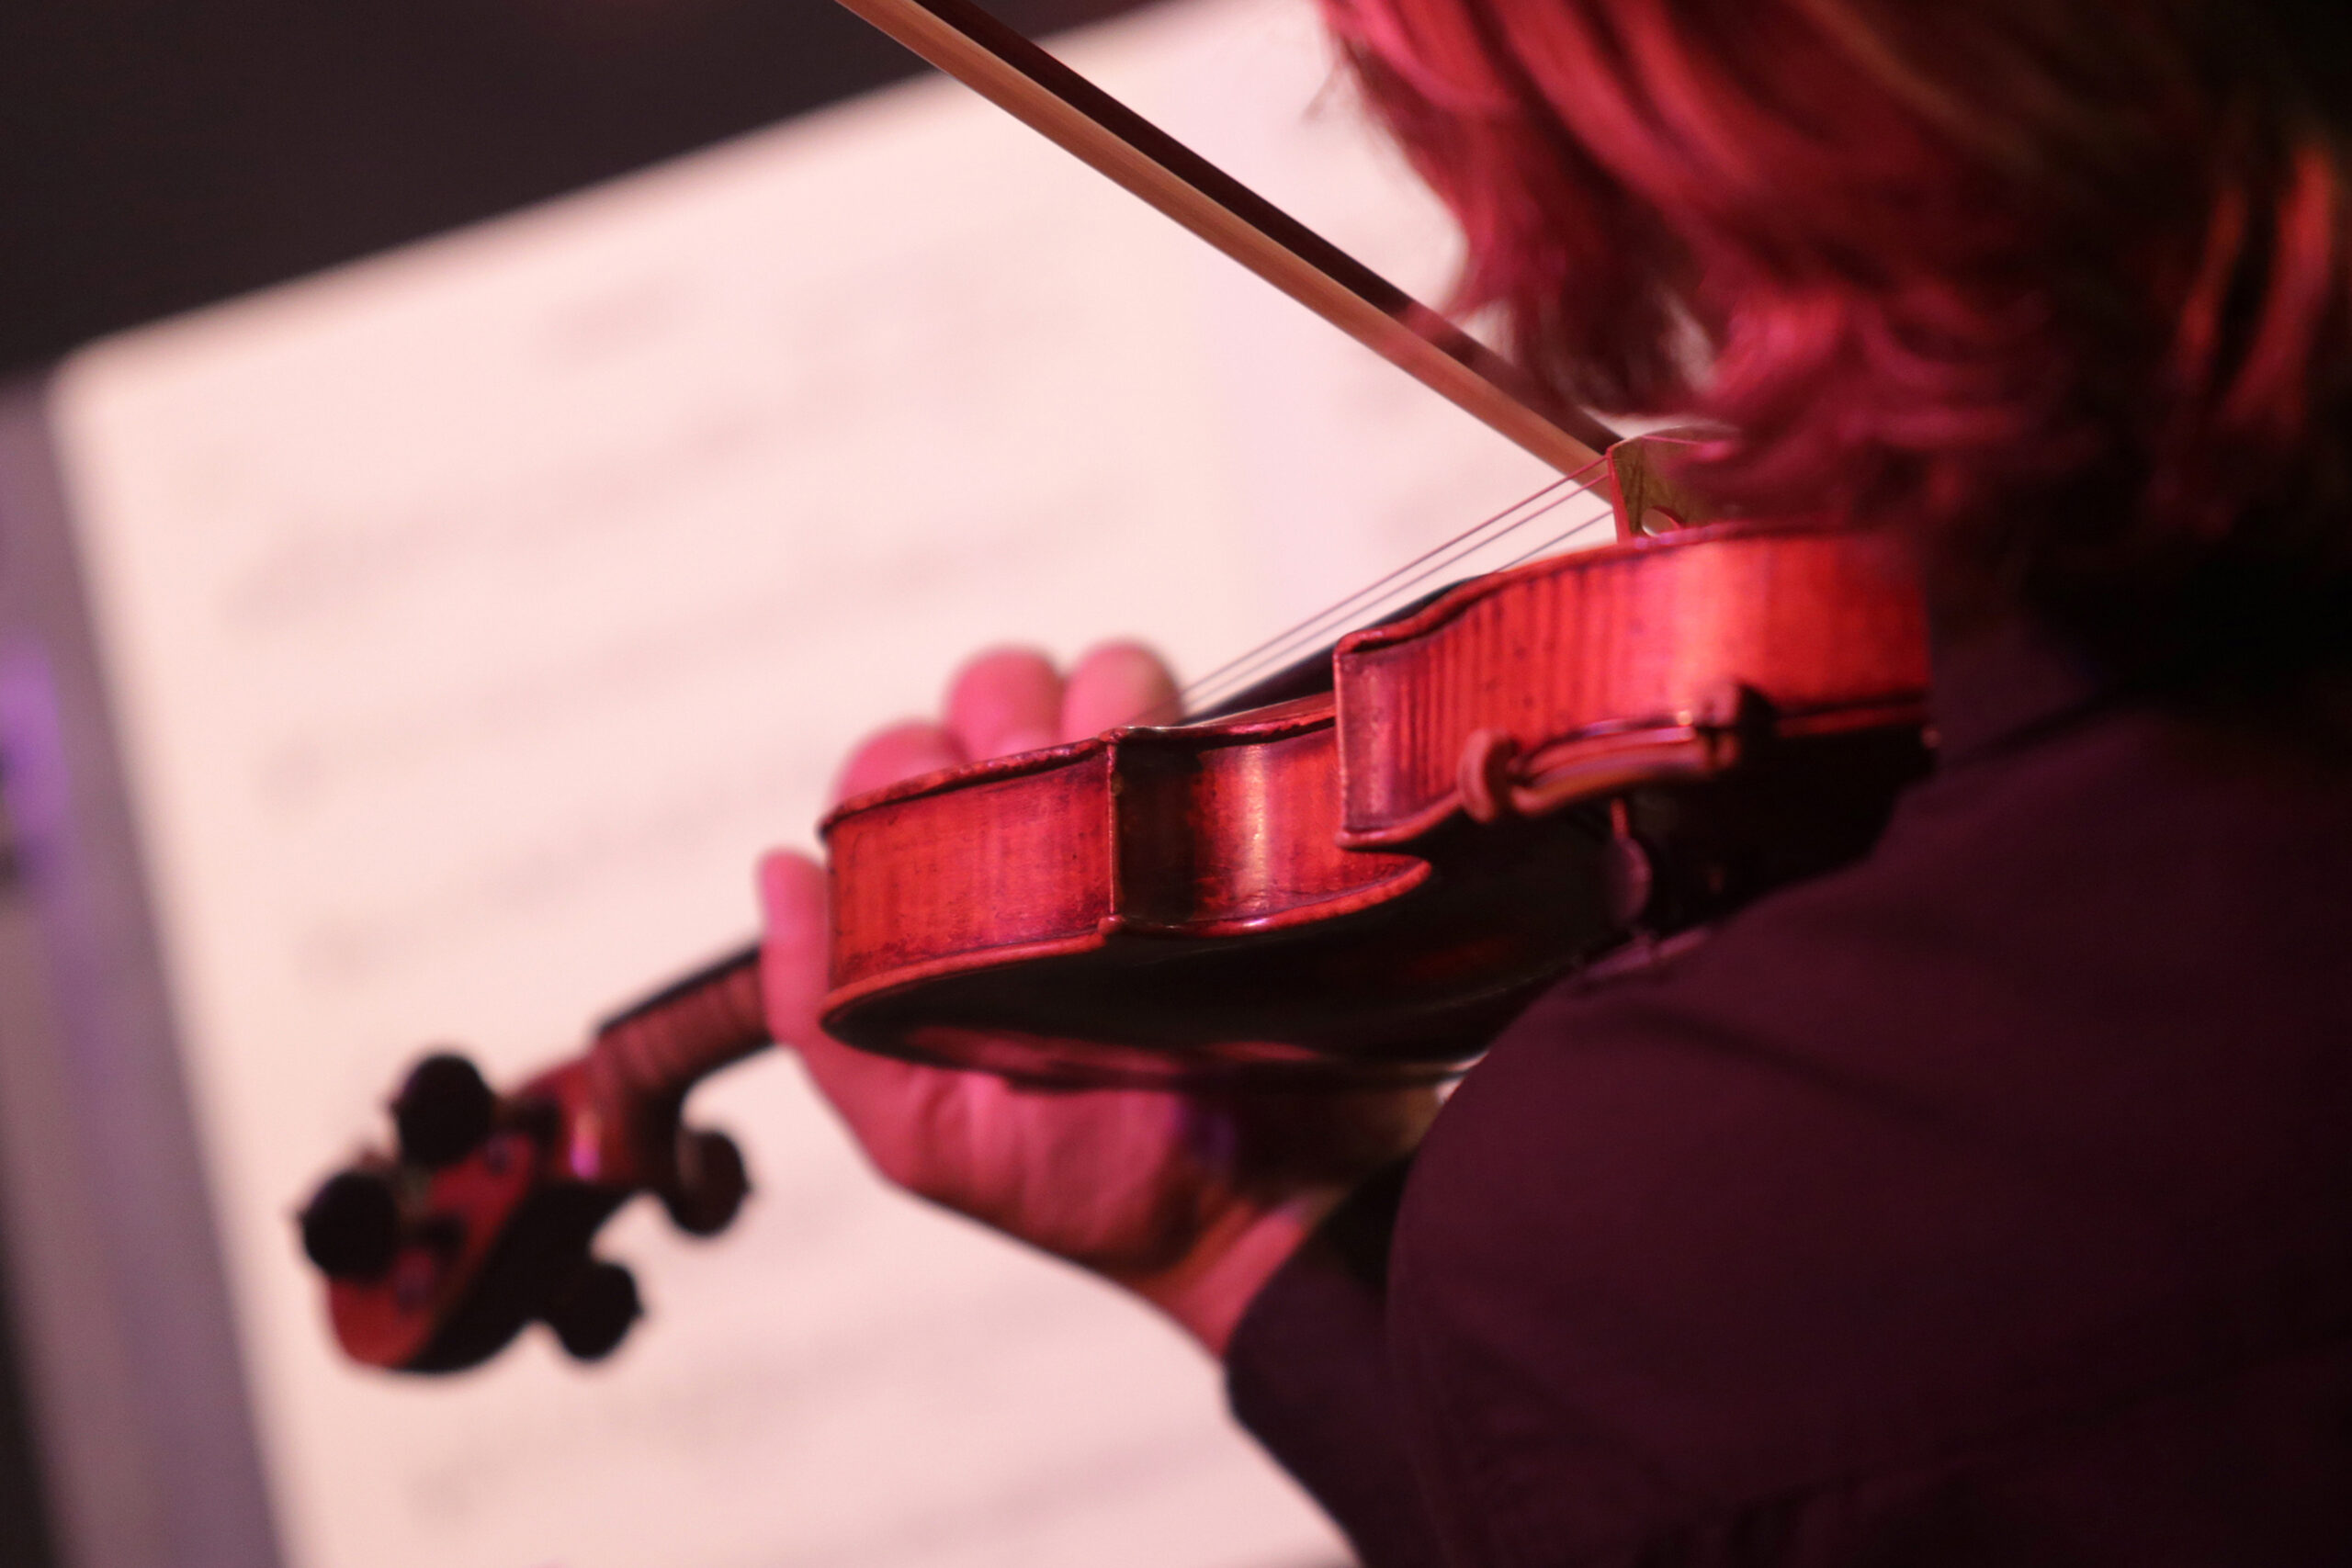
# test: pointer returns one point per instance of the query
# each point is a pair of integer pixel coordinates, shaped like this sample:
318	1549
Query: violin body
1366	883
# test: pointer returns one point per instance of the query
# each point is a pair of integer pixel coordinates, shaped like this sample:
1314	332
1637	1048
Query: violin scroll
443	1112
481	1220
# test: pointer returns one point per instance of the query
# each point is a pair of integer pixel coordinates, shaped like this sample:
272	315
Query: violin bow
1019	77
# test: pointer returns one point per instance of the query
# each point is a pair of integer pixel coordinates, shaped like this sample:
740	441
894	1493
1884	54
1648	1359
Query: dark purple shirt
1987	1202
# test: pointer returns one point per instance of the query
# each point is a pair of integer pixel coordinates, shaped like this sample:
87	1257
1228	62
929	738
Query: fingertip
902	751
1015	741
1117	683
788	882
1001	697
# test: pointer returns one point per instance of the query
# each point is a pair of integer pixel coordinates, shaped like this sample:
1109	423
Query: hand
1190	1201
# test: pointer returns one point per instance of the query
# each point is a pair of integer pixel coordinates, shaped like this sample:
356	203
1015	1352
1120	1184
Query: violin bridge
1644	498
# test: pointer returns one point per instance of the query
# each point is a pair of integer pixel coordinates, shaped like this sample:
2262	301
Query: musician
1989	1201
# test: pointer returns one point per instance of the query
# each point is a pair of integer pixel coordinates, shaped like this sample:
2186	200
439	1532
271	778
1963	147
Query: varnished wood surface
1583	651
1015	853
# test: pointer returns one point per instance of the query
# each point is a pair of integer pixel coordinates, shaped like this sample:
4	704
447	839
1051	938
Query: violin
1353	873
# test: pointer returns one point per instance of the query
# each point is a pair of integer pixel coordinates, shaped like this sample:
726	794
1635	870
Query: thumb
875	1096
792	951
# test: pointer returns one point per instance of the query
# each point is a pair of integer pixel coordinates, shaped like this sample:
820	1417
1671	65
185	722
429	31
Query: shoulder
2041	1103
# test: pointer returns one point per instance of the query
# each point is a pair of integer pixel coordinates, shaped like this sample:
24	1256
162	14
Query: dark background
160	155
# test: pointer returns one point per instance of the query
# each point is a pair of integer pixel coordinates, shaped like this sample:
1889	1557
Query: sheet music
478	613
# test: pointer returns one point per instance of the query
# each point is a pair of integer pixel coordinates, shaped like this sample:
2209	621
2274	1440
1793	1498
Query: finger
899	752
1007	700
1119	682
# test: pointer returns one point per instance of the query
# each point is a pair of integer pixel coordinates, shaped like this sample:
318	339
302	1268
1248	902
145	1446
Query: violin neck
671	1041
1021	78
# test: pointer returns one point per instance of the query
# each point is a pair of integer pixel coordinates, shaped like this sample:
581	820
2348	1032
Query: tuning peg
593	1310
351	1227
443	1112
711	1183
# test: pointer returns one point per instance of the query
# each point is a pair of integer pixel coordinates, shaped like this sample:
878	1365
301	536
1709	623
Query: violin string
1278	656
1494	525
1605	514
1556	540
1402	591
1362	610
1479	534
1237	674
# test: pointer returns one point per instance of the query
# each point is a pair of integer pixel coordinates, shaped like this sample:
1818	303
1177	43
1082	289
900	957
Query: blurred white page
478	613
